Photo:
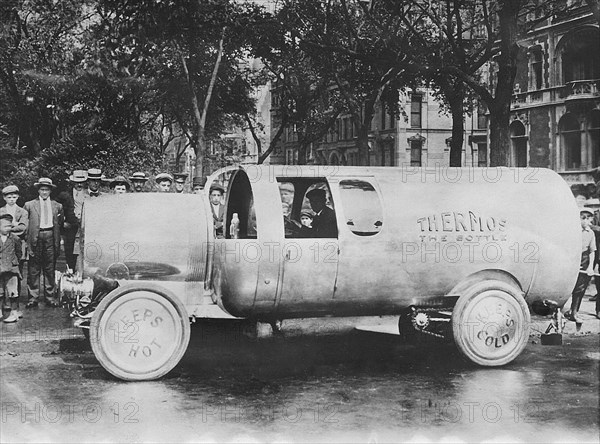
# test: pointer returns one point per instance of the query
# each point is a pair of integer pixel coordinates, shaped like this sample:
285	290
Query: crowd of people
33	233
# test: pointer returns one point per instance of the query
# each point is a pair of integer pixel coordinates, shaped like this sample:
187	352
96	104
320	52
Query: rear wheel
490	323
139	332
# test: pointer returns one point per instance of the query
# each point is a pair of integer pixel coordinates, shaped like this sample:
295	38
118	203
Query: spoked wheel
490	323
139	332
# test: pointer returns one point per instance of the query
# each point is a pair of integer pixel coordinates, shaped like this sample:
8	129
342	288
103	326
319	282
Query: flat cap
10	189
163	176
138	175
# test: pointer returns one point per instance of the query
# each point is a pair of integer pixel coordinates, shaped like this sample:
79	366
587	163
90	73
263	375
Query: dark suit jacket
66	200
324	224
10	254
33	210
218	219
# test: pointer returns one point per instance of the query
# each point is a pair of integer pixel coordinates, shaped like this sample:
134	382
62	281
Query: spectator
198	185
588	252
180	182
43	242
120	185
94	181
290	226
164	181
138	179
10	255
217	207
72	202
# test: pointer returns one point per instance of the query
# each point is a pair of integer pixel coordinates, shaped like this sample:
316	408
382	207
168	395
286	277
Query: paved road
350	386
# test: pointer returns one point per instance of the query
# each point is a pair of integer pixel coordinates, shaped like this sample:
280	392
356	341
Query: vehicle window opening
362	207
307	208
240	200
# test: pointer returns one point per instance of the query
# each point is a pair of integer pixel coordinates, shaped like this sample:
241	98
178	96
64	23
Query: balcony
581	90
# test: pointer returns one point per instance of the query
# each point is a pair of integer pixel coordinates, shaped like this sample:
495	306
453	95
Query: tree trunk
507	71
458	126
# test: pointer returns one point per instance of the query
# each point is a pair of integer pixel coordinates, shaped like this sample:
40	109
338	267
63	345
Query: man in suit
72	202
324	223
217	207
94	180
138	179
43	241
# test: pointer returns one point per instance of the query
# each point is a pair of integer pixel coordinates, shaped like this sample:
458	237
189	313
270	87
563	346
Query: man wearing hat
324	223
72	202
138	179
94	180
198	184
164	181
217	207
120	185
43	242
180	182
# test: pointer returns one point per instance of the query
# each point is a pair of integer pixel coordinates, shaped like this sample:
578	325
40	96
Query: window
481	117
415	152
594	131
362	207
483	154
518	144
537	65
415	110
578	62
570	138
383	115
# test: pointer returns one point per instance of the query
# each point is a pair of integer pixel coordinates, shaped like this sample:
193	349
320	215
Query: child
10	253
306	219
586	268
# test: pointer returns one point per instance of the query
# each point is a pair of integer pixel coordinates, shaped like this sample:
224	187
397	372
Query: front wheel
139	332
490	323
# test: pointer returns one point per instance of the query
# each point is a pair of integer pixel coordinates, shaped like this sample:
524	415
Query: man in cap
324	223
72	202
217	207
180	182
198	184
120	185
138	179
43	242
94	180
164	181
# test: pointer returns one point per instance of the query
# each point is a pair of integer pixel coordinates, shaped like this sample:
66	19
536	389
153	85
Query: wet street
336	387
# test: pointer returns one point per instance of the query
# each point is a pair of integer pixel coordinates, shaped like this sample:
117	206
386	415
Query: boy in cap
10	275
119	185
20	221
164	181
138	179
43	242
586	268
180	182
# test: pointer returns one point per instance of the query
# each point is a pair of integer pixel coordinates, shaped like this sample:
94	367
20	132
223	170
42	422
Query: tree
194	46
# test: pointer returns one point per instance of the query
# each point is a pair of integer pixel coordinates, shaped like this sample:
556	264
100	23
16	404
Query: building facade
555	121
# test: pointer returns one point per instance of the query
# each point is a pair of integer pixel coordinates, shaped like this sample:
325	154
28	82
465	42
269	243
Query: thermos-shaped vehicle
464	253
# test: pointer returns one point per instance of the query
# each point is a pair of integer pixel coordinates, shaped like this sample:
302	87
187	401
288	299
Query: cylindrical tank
404	236
149	237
